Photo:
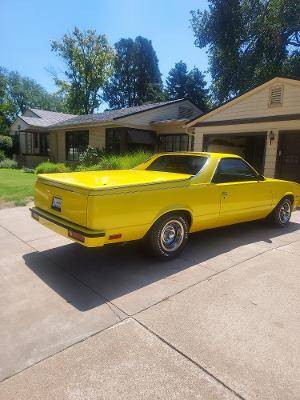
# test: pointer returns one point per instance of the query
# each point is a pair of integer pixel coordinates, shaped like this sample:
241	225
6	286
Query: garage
262	125
250	146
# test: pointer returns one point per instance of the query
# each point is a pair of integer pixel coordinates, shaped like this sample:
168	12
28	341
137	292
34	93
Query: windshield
184	164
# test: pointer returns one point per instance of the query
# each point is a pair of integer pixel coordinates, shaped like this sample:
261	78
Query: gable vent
276	95
185	112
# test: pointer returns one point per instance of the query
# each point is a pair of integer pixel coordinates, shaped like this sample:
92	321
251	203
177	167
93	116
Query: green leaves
17	93
136	78
89	63
183	84
248	42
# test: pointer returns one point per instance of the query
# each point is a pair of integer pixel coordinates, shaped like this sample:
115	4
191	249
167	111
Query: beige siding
97	137
57	141
52	143
61	146
271	155
257	105
159	114
198	143
165	129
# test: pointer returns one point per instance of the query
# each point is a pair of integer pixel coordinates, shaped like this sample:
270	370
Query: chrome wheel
285	212
172	235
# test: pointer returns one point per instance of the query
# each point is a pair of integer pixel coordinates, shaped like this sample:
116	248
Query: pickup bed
100	204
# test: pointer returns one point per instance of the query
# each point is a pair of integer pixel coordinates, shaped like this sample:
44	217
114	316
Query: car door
244	195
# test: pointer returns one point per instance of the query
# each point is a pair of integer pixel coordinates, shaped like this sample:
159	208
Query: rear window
189	165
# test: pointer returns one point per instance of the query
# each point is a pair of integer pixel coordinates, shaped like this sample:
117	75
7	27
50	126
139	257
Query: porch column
271	154
198	143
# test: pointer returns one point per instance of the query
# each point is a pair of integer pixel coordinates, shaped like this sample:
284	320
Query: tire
281	214
167	237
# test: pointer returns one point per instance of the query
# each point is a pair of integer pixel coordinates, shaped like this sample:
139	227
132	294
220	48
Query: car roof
202	153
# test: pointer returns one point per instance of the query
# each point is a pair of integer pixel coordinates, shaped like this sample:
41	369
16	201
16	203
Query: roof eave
80	125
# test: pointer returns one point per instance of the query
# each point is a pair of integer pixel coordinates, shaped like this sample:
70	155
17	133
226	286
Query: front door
243	196
288	162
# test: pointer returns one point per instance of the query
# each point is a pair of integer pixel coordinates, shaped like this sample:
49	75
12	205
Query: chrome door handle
224	194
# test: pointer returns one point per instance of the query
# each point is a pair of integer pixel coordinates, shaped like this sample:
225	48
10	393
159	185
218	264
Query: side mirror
260	177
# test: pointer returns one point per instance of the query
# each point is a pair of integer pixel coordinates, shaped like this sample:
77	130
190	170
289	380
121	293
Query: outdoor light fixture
271	136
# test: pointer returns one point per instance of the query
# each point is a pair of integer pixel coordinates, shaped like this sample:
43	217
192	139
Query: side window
233	170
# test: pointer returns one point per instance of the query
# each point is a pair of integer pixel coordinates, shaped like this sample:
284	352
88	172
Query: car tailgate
67	202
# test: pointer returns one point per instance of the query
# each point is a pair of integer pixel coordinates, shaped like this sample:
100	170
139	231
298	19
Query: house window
176	142
276	96
76	143
36	143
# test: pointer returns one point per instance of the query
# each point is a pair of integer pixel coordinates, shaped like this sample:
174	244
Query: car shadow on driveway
115	271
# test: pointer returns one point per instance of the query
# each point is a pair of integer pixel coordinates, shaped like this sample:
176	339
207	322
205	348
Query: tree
17	93
4	105
136	78
88	58
248	41
183	84
196	91
22	92
176	81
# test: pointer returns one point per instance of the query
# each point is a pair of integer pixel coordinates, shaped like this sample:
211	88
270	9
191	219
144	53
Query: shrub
90	156
28	170
6	144
117	161
8	163
50	167
2	155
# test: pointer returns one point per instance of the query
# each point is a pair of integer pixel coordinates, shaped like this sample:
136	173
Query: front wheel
168	236
281	215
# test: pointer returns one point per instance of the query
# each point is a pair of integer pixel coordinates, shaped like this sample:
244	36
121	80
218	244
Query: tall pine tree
136	78
182	83
176	81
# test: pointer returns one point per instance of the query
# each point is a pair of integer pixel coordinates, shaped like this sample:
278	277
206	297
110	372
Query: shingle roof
45	118
111	115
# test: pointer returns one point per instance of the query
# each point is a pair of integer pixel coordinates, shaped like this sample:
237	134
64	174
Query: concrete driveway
220	322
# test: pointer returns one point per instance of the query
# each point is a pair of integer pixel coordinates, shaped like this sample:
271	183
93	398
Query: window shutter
276	96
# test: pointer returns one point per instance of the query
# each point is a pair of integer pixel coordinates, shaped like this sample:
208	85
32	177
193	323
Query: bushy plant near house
28	170
49	167
117	161
8	163
6	144
2	155
91	156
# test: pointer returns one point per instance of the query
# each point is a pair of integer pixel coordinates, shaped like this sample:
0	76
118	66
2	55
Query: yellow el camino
161	201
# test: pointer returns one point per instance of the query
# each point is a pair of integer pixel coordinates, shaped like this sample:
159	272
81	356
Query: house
262	125
44	135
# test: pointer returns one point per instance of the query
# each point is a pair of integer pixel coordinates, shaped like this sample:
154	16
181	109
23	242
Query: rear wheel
168	236
281	215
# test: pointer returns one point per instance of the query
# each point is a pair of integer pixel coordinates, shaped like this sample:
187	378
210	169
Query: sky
28	26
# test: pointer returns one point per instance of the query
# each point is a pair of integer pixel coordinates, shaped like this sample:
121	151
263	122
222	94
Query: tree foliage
181	83
136	78
88	58
249	42
17	93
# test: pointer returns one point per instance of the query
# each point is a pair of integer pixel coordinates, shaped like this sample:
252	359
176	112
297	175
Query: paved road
220	322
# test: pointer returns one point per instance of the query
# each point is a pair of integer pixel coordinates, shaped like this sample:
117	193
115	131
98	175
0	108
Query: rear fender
174	209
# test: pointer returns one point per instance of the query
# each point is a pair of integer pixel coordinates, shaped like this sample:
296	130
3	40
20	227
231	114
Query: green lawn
16	186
